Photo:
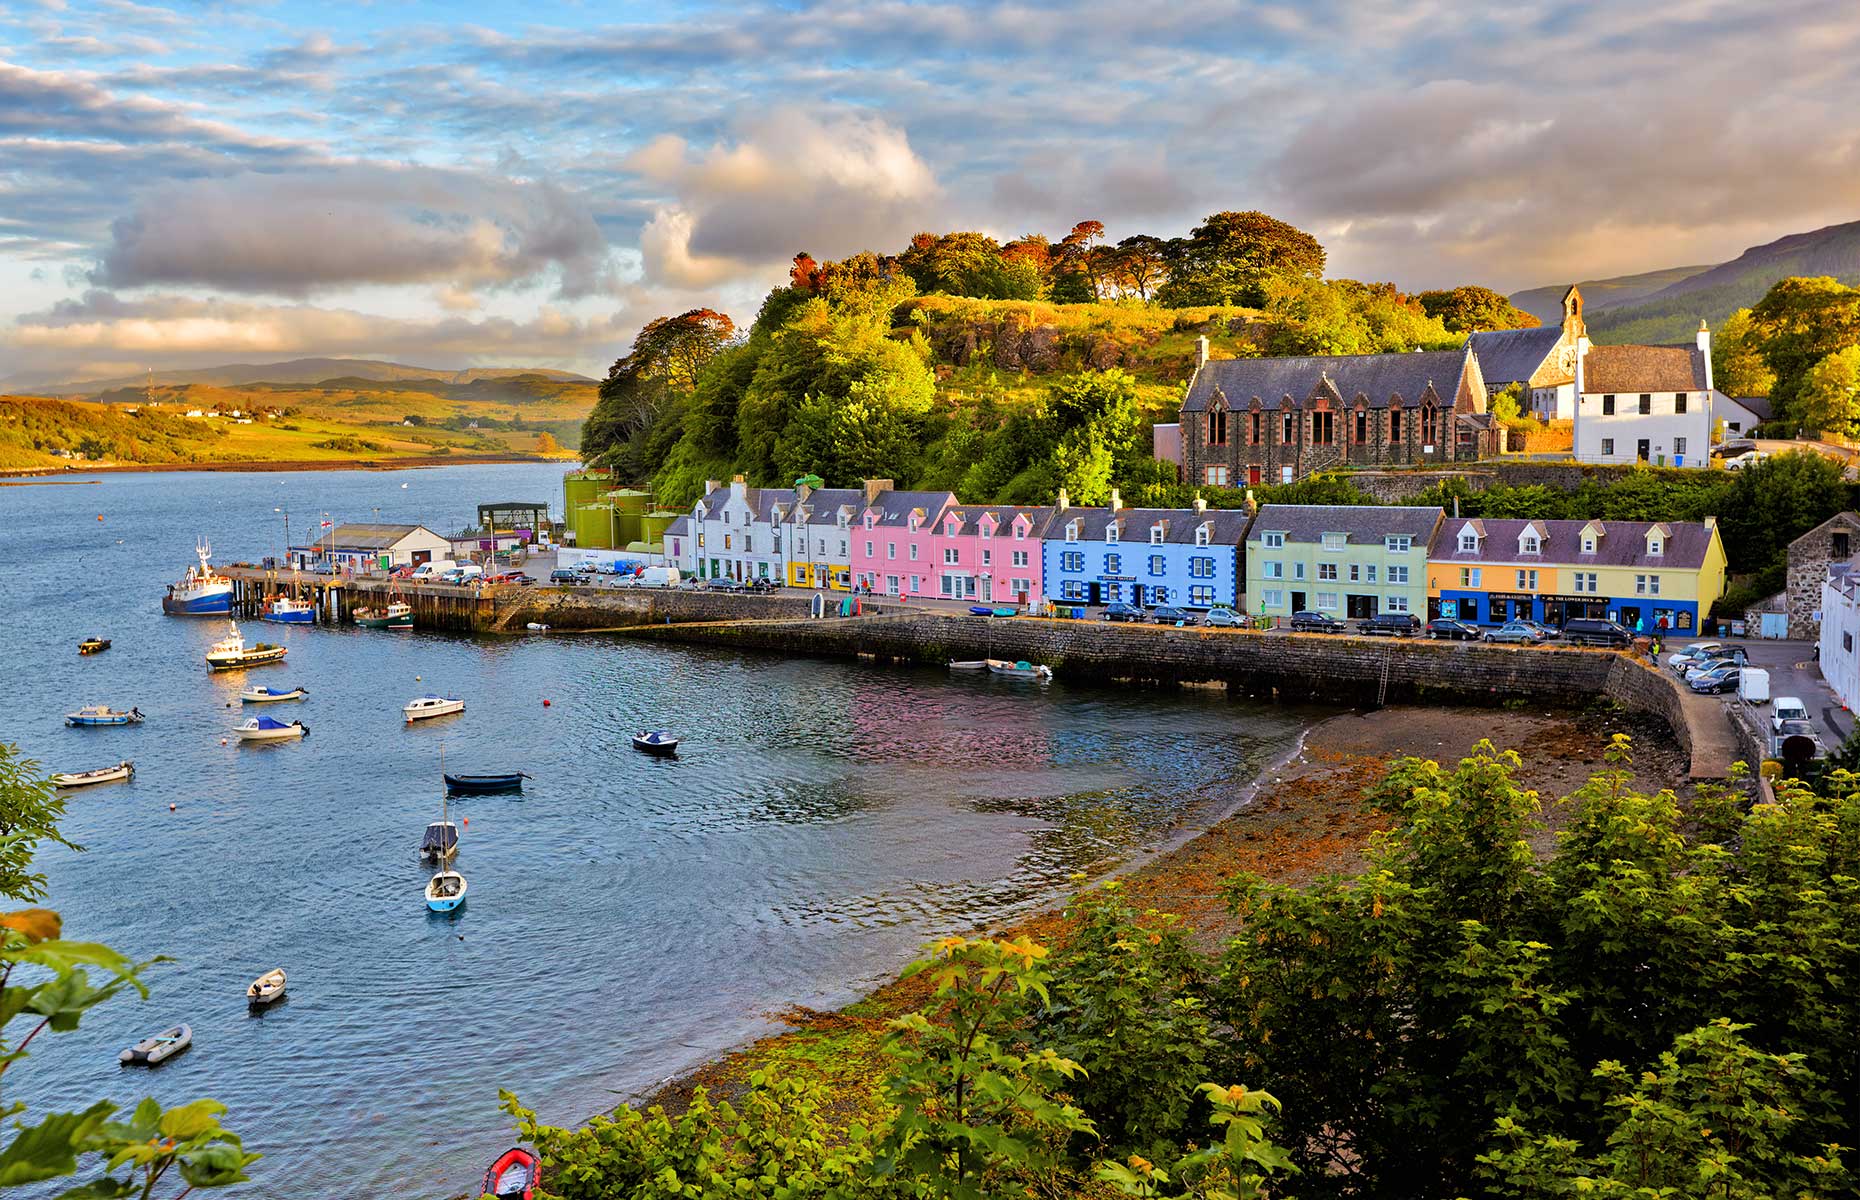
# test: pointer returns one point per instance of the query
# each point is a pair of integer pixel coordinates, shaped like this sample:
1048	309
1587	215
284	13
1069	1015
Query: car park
1452	630
1117	610
1225	618
1732	657
1521	633
1681	659
1594	631
1715	681
1169	614
1390	625
1315	622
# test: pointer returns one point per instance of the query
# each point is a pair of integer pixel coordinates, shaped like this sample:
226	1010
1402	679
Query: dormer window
1110	532
1530	543
1156	535
1020	531
1469	543
1655	547
1202	535
950	527
871	519
1072	532
1588	544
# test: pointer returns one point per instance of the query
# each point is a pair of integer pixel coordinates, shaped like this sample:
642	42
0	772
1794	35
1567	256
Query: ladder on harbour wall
1382	688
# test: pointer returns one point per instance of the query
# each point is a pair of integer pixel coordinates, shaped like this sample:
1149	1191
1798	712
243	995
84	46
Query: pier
456	609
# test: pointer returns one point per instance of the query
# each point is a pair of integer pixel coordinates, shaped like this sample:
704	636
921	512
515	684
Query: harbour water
627	918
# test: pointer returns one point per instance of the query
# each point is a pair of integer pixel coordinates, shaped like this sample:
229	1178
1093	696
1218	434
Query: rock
1104	354
1039	348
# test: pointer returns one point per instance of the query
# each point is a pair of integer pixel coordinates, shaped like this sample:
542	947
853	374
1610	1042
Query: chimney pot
1062	503
1201	351
1201	505
1117	501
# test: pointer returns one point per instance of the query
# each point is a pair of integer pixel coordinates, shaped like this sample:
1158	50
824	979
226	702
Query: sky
456	184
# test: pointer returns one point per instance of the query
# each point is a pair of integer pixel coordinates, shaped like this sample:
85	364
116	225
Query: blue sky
459	184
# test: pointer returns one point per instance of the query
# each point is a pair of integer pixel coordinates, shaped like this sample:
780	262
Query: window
1679	406
1469	577
1201	596
985	530
1430	425
1201	568
1398	543
1285	431
1273	569
1646	404
1156	535
1527	581
1356	572
1646	585
700	541
1072	532
1323	428
1530	543
1113	564
1072	589
1608	406
1327	600
1202	535
1327	571
1655	547
1469	542
726	540
1586	581
1370	573
1394	424
1847	642
1285	475
1020	558
1217	476
951	556
1298	570
988	557
1257	435
1020	534
951	527
1272	598
1679	445
868	550
1333	541
1362	425
1217	427
916	585
1396	575
1272	541
1110	532
843	553
1837	545
913	549
1158	565
1072	560
1608	447
1395	604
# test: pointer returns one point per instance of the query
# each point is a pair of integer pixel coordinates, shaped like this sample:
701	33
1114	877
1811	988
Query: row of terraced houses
1345	561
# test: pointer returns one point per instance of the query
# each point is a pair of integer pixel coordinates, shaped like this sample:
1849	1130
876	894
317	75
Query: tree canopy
1232	257
1799	322
1469	307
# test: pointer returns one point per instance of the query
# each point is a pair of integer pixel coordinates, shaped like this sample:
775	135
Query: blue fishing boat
202	592
478	785
283	610
93	715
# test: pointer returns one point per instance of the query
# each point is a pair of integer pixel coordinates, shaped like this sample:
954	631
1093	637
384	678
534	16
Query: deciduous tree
1470	307
1230	257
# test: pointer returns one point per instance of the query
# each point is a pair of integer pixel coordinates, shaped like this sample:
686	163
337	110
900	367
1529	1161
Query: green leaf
50	1148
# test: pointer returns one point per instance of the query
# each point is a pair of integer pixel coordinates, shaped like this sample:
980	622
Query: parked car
1117	610
1548	633
1222	617
1796	739
1452	630
1390	625
1715	681
560	576
1169	614
725	584
1522	633
1594	631
763	585
1749	458
1787	708
1307	621
1685	657
1734	657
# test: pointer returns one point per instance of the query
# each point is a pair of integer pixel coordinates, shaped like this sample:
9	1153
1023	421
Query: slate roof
823	504
1004	515
1756	406
1366	524
370	536
679	528
1230	525
1376	377
894	508
1513	355
1622	544
1634	369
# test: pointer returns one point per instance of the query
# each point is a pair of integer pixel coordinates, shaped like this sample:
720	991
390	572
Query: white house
819	536
1646	403
736	532
1740	415
1840	632
365	546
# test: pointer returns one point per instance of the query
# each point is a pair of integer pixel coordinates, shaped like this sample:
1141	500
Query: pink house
990	553
894	550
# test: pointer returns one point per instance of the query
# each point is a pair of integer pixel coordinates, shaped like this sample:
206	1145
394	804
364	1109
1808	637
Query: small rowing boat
510	781
231	653
656	742
93	645
1019	670
515	1175
267	988
95	715
78	779
968	664
425	707
264	729
158	1047
258	694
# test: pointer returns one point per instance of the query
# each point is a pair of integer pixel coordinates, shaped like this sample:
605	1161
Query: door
1773	625
1359	608
1095	592
1252	475
1630	617
1641	448
422	556
1298	602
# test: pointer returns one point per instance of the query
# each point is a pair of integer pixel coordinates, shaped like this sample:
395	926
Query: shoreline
25	475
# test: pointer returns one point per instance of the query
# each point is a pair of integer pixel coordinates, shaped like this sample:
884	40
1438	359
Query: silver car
1515	631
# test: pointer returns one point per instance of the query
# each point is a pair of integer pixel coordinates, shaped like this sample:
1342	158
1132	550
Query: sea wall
1399	486
618	608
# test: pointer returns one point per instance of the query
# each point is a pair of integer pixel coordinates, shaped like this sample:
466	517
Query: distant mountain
1627	310
296	370
1546	303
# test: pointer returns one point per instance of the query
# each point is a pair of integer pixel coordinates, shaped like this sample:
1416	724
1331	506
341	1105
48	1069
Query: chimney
1704	343
711	485
873	488
1117	501
1201	352
739	488
1062	503
1201	505
1456	508
1252	502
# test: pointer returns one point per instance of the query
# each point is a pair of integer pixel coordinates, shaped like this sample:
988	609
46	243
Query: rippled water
627	917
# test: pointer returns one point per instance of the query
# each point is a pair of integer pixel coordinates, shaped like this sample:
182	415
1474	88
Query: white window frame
1398	543
1397	575
1395	604
1272	539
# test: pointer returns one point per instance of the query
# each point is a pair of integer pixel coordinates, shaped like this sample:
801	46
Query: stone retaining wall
615	608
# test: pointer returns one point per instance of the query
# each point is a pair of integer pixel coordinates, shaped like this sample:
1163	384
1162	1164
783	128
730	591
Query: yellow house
1648	575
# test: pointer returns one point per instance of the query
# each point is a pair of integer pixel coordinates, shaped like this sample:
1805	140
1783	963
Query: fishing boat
1019	670
267	988
656	741
445	891
282	610
423	707
94	715
78	779
202	592
264	729
515	1175
968	664
440	841
231	653
510	781
158	1047
397	615
258	694
93	645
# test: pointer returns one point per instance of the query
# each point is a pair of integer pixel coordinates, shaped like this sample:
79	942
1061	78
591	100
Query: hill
296	370
1546	303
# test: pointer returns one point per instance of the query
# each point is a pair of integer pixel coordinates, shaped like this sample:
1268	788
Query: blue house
1189	557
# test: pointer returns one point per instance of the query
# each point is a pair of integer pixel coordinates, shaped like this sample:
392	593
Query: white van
658	577
1753	685
433	568
1787	708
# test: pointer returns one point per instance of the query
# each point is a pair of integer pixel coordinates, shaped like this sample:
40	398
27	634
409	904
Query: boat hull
435	902
656	749
97	722
484	784
214	602
271	697
514	1176
248	658
290	616
271	735
160	1048
385	622
428	713
78	779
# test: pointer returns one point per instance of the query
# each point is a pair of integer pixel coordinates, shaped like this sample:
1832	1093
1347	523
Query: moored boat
93	715
422	707
264	729
1020	670
515	1175
397	615
93	645
282	610
509	781
440	841
968	664
267	988
158	1047
202	592
257	694
655	741
445	891
78	779
231	653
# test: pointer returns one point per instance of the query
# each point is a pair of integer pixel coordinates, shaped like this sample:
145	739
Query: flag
326	525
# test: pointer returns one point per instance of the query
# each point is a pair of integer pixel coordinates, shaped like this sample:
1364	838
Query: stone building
1276	420
1541	361
1835	540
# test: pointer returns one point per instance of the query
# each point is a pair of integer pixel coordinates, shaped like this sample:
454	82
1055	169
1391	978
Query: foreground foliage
1661	1005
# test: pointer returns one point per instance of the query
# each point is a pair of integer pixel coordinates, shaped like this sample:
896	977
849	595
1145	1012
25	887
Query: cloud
299	232
791	181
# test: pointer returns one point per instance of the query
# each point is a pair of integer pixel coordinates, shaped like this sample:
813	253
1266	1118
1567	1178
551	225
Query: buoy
170	806
416	679
468	822
100	516
222	741
545	704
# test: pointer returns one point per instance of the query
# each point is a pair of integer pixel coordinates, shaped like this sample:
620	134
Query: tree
1231	256
662	368
1138	264
1799	322
1829	399
1737	364
1470	307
